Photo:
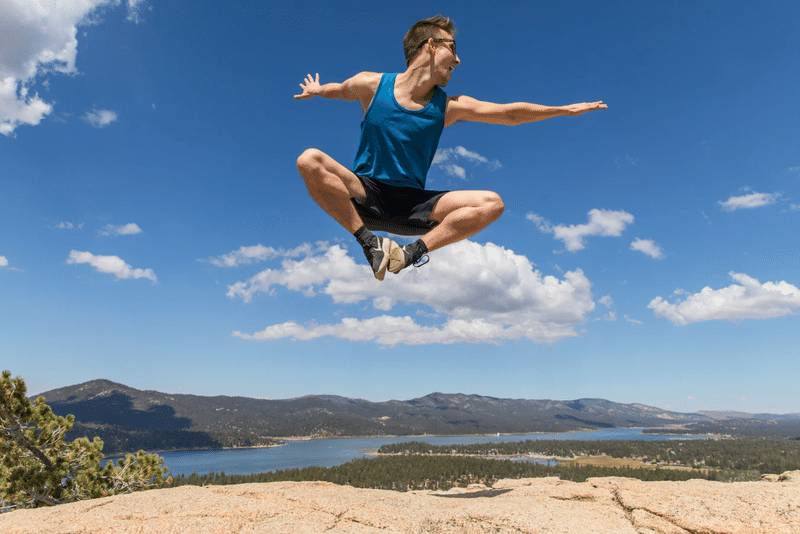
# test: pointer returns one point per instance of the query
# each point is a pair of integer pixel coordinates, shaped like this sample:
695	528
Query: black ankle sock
417	249
364	236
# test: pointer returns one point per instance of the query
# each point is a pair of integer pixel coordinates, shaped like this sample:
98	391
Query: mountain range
127	418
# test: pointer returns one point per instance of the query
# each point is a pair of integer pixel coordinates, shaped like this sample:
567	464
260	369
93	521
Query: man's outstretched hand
310	87
577	109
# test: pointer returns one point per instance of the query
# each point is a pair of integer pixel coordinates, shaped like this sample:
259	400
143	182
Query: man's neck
414	88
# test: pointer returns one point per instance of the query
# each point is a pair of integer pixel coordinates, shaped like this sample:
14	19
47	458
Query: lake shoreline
330	452
286	439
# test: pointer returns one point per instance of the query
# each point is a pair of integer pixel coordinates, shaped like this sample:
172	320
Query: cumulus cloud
99	118
451	160
749	201
110	265
649	247
257	253
745	299
125	229
481	293
17	107
601	223
65	225
39	38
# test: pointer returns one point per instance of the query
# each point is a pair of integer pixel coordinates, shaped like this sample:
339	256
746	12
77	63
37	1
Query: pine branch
13	430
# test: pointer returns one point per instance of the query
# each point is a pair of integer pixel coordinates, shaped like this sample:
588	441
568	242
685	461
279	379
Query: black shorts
398	210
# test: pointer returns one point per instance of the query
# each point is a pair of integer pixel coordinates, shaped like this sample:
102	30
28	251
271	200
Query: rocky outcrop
597	506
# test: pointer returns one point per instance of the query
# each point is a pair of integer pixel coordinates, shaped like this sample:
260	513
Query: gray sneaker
379	254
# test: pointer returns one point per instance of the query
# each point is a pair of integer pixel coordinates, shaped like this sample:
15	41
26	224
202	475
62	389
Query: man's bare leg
460	214
332	186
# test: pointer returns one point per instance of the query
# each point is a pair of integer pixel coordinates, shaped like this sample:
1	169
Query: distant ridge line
125	417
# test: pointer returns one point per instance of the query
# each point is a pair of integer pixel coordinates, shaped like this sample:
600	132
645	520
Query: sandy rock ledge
546	505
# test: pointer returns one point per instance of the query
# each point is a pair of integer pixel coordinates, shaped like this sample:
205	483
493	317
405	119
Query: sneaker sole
386	248
397	258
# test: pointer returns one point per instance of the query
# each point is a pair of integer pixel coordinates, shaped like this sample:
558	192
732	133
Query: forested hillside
129	419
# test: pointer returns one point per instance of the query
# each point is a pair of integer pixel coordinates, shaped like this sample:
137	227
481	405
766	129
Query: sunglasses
441	40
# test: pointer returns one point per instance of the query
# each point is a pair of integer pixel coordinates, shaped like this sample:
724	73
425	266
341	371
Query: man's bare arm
465	108
360	87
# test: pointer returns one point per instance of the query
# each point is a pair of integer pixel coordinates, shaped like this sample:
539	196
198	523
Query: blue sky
154	230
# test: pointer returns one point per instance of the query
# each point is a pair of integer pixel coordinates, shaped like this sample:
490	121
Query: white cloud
125	229
257	253
134	10
99	118
40	38
601	223
454	170
610	316
607	301
445	159
244	256
752	200
65	226
485	294
649	247
16	107
110	265
632	321
4	265
747	299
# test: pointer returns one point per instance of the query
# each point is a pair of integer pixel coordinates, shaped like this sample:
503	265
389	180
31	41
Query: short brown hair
424	30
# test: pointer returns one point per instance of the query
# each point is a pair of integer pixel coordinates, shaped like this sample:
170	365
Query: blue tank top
397	144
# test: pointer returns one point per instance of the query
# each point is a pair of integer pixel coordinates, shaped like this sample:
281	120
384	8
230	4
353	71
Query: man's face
444	56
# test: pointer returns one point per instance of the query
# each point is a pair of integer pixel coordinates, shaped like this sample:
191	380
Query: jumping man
404	115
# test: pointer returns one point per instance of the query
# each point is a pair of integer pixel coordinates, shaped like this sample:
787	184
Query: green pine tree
39	468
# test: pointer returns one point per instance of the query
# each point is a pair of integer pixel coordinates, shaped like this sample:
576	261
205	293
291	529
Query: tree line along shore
419	465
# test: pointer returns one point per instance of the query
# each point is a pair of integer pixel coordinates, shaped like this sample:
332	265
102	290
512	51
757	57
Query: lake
336	451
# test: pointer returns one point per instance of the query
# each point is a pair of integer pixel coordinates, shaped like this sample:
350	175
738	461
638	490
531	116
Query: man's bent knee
494	205
309	160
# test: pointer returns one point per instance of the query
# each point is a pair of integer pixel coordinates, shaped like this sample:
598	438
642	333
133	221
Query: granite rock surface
545	505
